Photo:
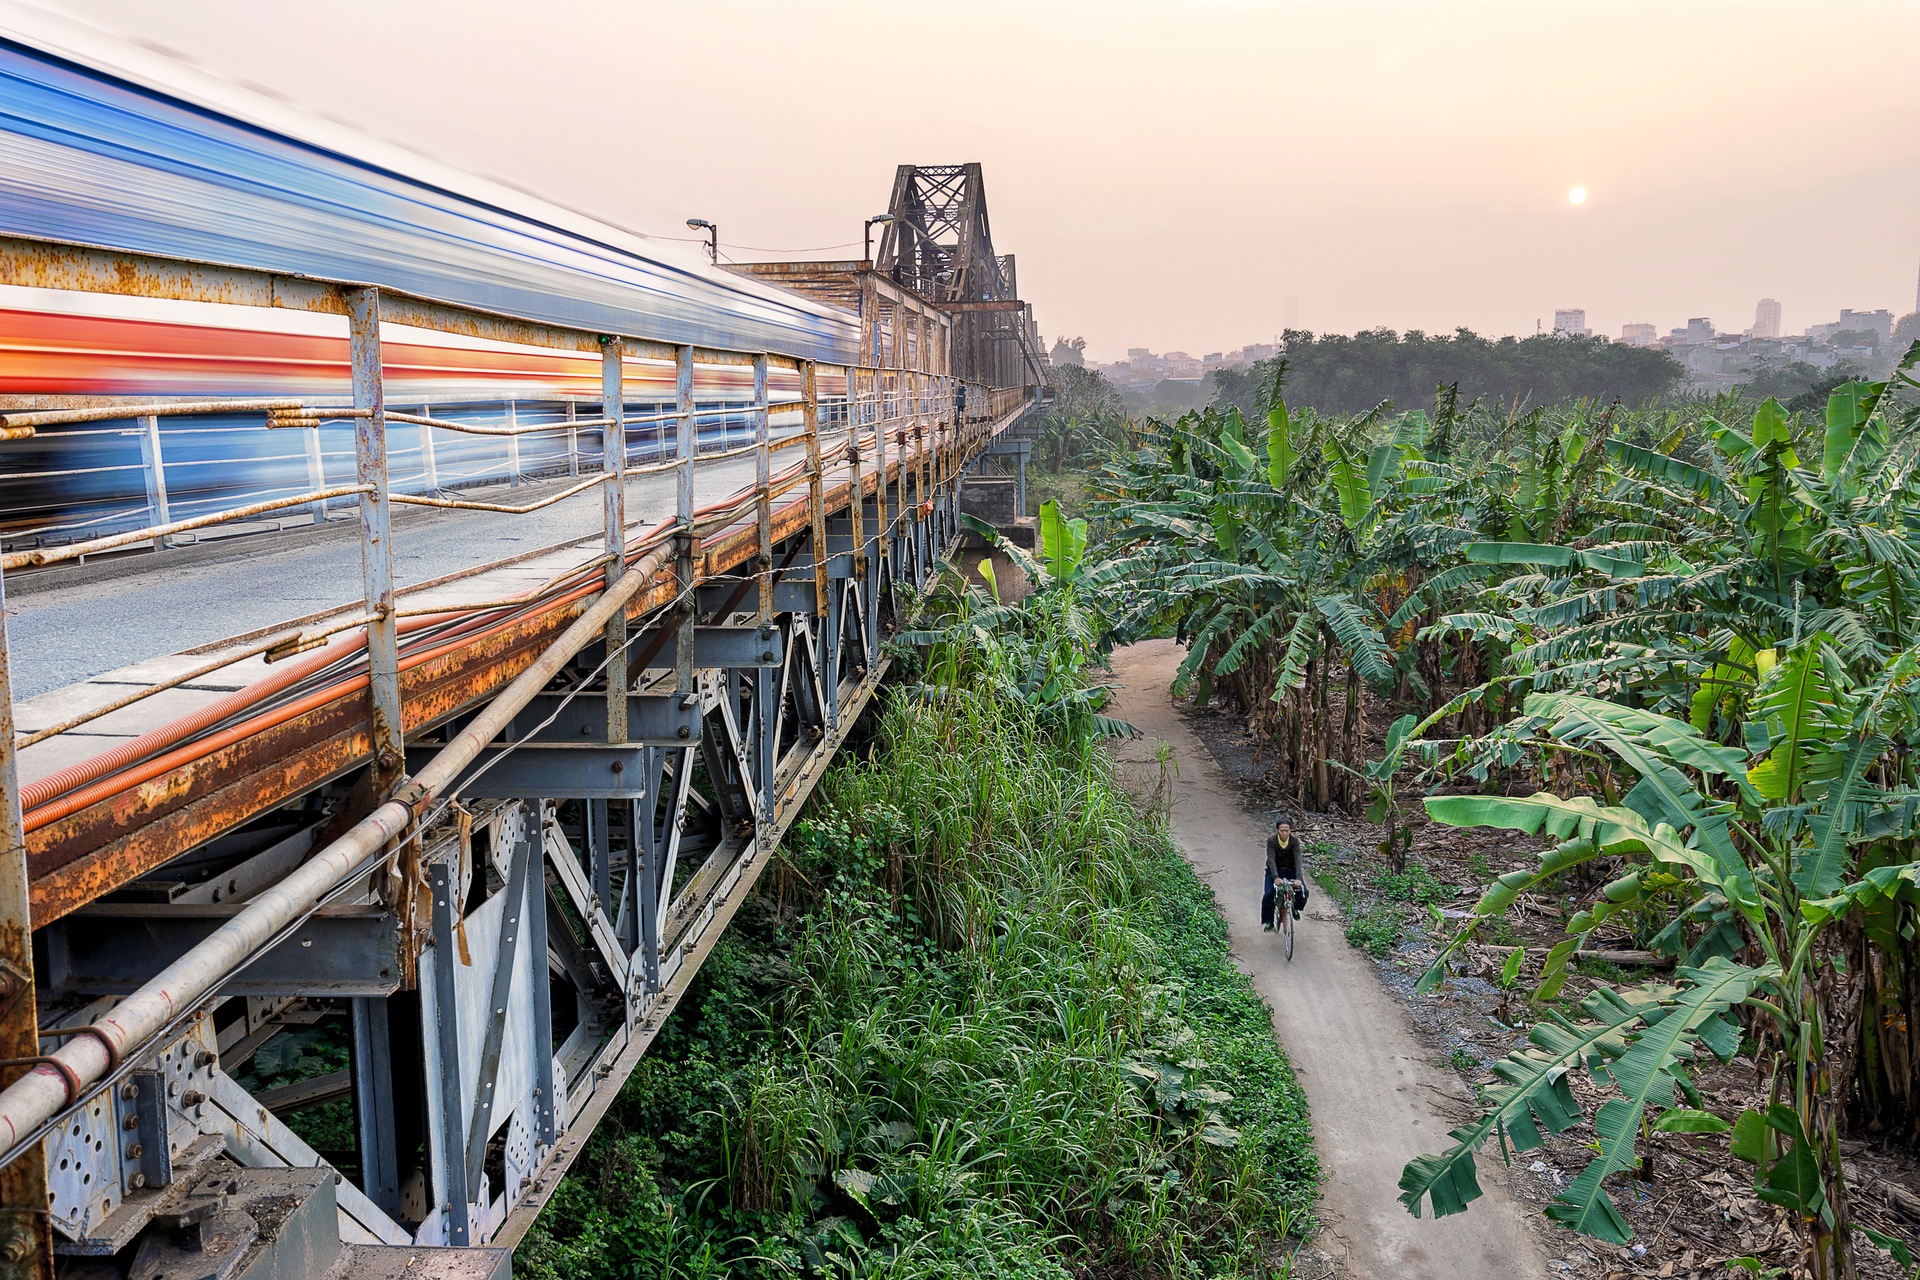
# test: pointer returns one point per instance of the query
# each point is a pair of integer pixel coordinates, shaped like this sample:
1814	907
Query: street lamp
713	237
866	236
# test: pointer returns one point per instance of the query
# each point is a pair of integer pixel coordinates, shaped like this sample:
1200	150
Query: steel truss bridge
490	807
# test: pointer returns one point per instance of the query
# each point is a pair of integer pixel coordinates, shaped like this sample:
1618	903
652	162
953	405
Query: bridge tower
940	245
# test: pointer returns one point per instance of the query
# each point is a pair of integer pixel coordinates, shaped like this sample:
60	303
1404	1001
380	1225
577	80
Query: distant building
1875	326
1258	351
1699	331
1639	335
1766	319
1570	322
1181	367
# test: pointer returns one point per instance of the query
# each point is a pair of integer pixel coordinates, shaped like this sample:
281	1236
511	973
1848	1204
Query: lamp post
866	238
713	237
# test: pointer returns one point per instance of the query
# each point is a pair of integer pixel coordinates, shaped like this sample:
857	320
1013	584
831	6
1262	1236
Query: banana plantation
1675	651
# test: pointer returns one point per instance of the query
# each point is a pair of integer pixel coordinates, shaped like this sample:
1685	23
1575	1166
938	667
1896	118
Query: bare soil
1691	1206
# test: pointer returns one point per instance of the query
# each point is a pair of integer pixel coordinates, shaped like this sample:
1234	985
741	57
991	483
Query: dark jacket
1284	863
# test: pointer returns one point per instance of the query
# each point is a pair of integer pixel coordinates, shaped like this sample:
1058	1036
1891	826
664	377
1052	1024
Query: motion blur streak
156	160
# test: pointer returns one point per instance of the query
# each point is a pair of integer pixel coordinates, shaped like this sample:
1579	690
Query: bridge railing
903	434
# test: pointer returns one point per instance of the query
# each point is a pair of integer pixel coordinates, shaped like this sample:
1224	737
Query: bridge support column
376	538
451	1171
373	1103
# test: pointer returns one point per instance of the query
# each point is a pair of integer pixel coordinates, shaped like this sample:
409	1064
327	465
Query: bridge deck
189	615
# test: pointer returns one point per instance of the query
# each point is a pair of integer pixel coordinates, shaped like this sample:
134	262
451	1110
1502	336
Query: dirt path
1369	1082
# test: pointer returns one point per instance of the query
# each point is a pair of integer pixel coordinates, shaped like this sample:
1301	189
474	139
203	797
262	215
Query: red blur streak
55	353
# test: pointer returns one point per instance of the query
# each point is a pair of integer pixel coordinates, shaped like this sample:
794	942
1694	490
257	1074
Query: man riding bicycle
1285	858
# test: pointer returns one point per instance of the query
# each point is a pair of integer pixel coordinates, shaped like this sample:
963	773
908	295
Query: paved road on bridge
1376	1099
73	623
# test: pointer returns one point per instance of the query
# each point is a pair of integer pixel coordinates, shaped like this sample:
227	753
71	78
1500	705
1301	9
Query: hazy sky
1168	173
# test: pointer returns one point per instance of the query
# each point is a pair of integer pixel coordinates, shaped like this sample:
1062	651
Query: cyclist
1285	859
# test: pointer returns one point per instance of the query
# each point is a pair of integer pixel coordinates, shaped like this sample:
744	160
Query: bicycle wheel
1287	920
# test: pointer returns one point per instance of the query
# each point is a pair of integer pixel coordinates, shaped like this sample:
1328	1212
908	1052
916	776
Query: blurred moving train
112	146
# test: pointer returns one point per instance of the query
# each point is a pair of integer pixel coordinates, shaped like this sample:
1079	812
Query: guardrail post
513	446
25	1231
155	466
685	444
573	441
376	538
766	680
816	481
316	472
762	480
613	464
880	530
429	468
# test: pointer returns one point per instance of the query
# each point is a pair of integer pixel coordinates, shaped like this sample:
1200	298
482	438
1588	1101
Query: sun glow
1577	196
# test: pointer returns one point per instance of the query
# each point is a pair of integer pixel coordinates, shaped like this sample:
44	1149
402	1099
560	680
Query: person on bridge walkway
1285	861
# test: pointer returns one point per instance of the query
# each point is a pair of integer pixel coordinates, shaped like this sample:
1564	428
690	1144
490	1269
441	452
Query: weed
1415	884
1481	868
994	1031
1604	970
1460	1060
1375	930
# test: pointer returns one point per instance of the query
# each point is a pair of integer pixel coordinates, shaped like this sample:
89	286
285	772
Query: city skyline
1654	330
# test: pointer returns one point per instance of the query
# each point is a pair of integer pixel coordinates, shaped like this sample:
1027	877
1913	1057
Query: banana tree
1785	836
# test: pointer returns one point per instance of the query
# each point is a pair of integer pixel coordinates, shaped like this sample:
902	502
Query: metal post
429	467
453	1106
816	497
546	1125
513	446
856	507
902	518
880	530
645	862
684	442
762	476
613	463
155	467
376	539
600	856
316	473
26	1239
573	441
373	1103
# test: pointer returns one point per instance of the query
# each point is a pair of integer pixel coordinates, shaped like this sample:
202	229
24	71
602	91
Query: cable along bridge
295	724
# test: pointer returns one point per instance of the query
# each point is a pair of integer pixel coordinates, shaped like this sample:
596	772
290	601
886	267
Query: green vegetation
1341	374
1378	904
1691	634
982	1023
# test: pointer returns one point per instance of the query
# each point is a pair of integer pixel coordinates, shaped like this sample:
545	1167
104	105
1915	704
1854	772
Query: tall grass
985	1025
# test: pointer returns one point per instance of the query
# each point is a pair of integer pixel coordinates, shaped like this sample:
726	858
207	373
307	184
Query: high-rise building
1571	322
1639	335
1766	319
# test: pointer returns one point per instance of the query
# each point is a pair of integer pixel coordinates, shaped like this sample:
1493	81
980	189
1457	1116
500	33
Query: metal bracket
143	1131
549	770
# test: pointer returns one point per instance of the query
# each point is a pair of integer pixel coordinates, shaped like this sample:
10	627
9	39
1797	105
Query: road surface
1370	1084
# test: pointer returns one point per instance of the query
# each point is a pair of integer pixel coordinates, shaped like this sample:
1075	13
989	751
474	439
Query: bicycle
1283	891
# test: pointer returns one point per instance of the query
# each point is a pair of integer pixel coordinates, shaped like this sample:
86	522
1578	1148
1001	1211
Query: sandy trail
1372	1089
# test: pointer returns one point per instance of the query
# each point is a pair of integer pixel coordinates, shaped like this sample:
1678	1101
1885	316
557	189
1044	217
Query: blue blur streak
87	158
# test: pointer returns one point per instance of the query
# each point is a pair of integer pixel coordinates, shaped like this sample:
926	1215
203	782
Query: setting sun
1577	196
